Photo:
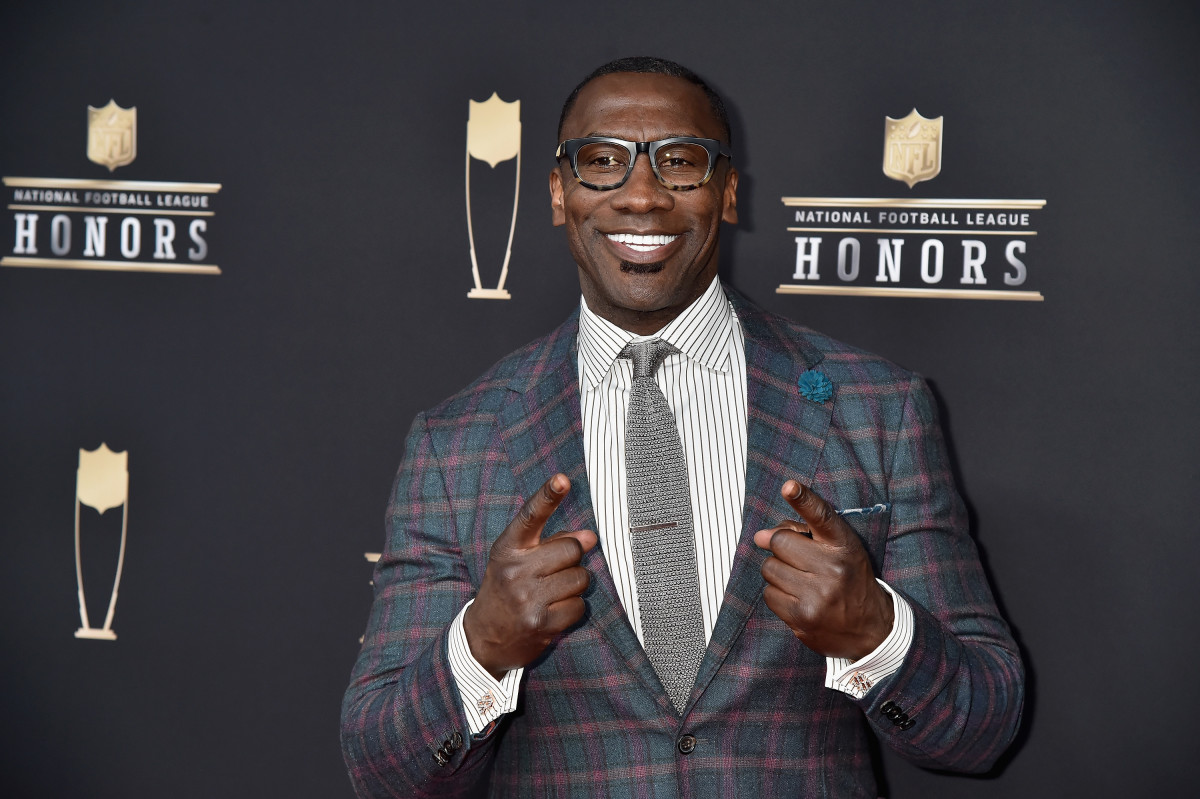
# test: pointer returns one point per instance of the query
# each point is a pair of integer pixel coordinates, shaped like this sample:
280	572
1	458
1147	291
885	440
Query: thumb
586	538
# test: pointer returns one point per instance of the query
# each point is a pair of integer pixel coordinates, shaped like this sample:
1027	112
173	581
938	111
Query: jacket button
886	706
687	744
893	713
456	740
906	724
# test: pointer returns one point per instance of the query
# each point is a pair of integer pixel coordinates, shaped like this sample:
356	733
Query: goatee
642	269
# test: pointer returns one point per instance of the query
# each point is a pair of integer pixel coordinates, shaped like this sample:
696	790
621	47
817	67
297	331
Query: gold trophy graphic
493	135
102	482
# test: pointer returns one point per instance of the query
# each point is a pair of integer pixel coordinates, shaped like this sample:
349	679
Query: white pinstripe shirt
705	387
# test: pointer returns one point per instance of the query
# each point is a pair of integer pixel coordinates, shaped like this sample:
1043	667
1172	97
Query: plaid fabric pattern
593	719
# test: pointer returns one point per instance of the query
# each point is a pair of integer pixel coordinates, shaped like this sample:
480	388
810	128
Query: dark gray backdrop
264	409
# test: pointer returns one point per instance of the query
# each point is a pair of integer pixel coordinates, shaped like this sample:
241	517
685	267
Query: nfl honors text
965	244
119	225
947	248
59	235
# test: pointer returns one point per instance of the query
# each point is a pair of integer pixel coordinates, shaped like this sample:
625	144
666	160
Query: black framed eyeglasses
681	163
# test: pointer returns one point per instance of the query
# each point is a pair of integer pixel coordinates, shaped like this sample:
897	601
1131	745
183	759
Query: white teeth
642	243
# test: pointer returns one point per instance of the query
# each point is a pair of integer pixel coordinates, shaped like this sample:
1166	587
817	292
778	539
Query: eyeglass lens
682	164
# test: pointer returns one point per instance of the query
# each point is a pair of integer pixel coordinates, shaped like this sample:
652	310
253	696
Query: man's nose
643	192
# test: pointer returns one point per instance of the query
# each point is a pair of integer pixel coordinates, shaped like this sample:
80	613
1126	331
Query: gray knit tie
660	528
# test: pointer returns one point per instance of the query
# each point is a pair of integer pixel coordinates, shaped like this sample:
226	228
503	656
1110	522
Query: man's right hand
531	589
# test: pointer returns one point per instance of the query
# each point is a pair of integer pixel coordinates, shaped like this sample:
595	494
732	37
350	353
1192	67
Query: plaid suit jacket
593	719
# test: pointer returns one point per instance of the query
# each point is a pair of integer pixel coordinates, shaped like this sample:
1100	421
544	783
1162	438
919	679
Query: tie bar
646	528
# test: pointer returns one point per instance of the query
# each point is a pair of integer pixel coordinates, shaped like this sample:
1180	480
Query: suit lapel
785	438
542	433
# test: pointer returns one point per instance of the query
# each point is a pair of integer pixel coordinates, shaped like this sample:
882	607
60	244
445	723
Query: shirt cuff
483	698
859	677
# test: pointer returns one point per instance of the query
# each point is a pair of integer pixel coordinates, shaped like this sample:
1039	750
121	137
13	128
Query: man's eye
602	158
605	161
681	158
674	162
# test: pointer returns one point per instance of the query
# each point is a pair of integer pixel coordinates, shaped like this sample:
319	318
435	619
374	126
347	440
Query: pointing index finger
525	530
824	522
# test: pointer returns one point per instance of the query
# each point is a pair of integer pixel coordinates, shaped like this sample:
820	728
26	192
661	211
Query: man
680	546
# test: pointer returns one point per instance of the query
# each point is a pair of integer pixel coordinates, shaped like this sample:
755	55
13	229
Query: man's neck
644	323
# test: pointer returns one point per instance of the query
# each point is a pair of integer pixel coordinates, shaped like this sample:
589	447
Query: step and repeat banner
242	245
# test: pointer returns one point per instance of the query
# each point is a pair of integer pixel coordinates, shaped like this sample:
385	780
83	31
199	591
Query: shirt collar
703	333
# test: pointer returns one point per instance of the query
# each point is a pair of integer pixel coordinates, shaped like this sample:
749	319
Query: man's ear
729	198
558	214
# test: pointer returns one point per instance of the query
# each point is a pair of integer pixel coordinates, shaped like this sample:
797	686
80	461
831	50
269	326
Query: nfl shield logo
912	148
112	135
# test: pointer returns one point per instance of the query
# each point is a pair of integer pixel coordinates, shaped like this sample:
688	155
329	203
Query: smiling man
679	546
646	246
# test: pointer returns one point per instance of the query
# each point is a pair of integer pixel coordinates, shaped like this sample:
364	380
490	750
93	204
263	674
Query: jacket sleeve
956	702
402	705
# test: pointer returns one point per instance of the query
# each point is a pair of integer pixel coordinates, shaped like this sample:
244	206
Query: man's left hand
823	587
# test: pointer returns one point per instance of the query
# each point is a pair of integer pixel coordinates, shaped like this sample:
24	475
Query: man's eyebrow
602	134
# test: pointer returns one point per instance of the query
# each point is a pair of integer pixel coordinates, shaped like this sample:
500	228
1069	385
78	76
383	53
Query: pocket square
871	510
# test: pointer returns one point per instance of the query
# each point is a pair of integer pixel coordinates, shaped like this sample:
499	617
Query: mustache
642	269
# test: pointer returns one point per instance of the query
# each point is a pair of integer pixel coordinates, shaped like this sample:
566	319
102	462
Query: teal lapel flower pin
814	385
